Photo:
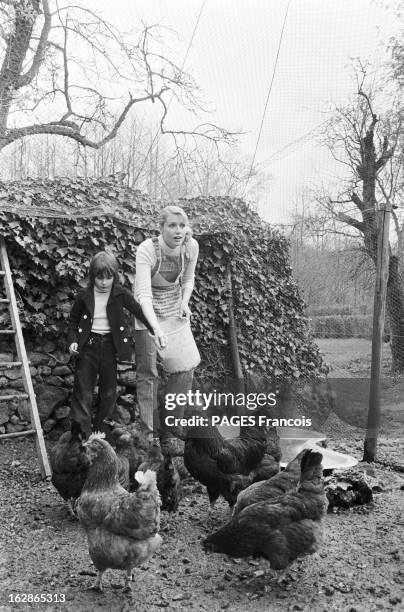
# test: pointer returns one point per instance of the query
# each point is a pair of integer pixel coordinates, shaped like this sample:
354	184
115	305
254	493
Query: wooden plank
6	398
8	365
18	434
22	356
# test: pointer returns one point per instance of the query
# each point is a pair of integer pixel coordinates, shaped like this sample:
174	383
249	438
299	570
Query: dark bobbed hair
103	263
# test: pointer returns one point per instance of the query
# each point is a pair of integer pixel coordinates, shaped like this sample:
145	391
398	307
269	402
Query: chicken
223	466
69	463
121	527
280	483
168	479
128	457
267	468
279	529
130	442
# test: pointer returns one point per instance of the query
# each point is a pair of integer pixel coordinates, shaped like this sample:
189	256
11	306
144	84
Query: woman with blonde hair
165	274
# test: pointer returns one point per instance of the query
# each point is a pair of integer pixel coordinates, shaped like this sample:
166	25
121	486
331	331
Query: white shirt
100	321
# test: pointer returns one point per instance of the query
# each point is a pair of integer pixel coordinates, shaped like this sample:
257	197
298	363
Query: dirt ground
360	568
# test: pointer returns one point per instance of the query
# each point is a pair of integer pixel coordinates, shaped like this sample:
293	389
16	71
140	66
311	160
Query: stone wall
52	373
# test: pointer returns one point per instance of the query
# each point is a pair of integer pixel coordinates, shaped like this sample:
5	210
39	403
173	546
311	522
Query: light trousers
151	414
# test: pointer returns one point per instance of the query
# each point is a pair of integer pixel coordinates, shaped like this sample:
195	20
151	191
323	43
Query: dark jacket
82	312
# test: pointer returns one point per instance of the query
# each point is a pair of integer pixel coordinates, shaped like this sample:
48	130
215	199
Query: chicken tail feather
311	468
146	479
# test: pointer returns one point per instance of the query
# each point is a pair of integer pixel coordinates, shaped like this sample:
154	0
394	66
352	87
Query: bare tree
370	147
64	71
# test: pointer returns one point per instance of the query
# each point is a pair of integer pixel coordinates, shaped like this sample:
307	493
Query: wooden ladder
22	363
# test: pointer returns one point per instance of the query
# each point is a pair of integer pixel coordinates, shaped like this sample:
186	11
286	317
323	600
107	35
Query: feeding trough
292	439
295	439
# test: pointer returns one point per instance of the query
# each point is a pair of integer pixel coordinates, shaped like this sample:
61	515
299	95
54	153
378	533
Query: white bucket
181	353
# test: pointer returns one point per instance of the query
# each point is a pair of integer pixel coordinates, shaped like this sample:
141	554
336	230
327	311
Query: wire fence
340	282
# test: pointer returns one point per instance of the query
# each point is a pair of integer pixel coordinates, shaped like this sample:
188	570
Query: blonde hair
172	210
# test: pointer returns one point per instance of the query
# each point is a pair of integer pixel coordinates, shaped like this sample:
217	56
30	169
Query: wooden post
235	355
379	307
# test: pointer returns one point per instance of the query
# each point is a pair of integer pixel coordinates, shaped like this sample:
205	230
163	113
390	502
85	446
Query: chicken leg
128	579
97	586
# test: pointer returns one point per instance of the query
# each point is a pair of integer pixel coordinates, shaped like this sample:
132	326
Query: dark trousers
96	359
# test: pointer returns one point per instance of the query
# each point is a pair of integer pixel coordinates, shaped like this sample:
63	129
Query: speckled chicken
279	529
121	527
69	463
279	484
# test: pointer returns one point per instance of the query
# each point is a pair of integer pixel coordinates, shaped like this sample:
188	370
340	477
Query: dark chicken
223	465
69	464
279	529
168	479
128	455
121	527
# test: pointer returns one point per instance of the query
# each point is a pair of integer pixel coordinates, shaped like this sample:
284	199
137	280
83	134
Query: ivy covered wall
49	256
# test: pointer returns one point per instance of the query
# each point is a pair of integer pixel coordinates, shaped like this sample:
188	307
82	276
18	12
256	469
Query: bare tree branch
38	58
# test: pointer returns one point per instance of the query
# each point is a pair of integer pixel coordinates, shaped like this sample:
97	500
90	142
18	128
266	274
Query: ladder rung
7	365
5	398
36	429
4	301
17	434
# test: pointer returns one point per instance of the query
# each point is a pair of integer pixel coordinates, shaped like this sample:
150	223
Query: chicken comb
97	435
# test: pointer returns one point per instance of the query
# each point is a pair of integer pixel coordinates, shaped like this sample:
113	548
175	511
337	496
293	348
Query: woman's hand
185	310
73	348
159	338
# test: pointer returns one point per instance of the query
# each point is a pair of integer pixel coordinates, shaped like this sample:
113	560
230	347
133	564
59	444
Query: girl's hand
73	348
159	338
185	310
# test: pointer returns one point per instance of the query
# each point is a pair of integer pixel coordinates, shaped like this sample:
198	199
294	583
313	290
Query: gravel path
360	568
44	551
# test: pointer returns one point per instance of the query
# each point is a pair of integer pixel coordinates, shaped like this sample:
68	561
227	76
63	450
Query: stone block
61	371
57	381
49	398
6	357
61	413
44	370
48	425
38	359
16	384
69	380
10	428
23	410
4	416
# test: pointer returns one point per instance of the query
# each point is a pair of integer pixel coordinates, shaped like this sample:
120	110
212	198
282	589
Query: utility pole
379	309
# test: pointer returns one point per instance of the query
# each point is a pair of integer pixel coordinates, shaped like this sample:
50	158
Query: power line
172	93
267	100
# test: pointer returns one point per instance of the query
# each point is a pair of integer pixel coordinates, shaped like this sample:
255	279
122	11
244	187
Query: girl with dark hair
97	333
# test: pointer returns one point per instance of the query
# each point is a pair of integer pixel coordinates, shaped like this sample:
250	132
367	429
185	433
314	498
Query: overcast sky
232	58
